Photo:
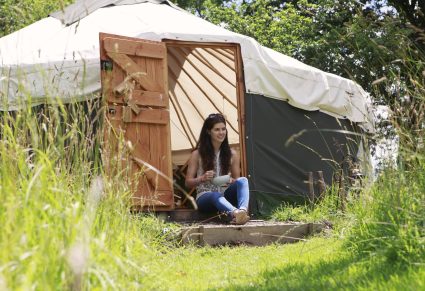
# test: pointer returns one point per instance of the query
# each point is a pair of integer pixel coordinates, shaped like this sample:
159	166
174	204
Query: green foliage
391	216
288	212
329	210
197	6
350	42
60	219
412	10
284	30
391	219
16	14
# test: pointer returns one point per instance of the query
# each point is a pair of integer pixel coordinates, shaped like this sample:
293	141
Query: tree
411	10
280	25
197	6
16	14
335	36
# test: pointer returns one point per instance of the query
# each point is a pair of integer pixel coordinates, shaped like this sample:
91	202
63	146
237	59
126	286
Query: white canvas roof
58	58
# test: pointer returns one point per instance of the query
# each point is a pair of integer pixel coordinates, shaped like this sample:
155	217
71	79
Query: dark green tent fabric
283	143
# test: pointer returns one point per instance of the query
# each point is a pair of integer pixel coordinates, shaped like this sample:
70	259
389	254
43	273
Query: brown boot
240	216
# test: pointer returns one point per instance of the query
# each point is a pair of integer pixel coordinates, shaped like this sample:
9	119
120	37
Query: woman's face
218	132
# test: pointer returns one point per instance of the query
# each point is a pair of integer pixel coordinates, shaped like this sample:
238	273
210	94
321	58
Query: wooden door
137	123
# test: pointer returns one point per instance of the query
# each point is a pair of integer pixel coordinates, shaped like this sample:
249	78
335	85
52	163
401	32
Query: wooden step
255	232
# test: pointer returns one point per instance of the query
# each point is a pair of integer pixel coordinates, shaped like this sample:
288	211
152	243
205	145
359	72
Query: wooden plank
161	193
240	95
146	184
151	70
135	72
143	141
162	75
253	233
110	79
321	182
156	192
154	69
194	44
137	183
155	199
164	146
151	116
159	181
142	98
161	198
161	71
141	62
156	139
111	145
135	48
158	151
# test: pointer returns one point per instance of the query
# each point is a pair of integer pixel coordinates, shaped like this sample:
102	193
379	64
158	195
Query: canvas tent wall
282	96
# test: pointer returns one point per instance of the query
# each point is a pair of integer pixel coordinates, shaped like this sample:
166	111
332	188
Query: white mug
221	180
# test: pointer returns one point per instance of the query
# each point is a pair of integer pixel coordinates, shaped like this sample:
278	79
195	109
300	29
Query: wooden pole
310	182
202	59
185	93
178	109
321	183
219	57
208	80
200	88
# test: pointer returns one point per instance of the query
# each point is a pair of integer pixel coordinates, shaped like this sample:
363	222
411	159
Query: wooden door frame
240	86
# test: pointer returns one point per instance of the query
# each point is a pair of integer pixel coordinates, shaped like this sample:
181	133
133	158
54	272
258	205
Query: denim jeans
236	196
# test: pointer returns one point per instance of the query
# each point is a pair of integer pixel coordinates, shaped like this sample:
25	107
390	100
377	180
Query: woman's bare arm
191	179
235	167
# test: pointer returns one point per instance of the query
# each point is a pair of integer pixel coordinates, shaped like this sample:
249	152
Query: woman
212	158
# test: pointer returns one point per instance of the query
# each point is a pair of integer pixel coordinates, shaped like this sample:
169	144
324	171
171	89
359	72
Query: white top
205	187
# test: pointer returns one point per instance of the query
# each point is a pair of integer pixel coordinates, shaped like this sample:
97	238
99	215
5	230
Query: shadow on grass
346	273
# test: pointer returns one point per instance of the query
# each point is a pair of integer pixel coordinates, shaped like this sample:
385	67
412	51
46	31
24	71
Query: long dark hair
206	149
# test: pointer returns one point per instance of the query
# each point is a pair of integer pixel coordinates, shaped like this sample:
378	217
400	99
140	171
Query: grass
319	264
392	225
66	226
65	230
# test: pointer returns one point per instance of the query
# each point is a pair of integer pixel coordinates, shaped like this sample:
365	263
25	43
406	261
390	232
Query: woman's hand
208	176
231	181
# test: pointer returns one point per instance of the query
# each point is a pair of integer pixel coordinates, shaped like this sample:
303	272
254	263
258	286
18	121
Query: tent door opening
157	95
203	78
